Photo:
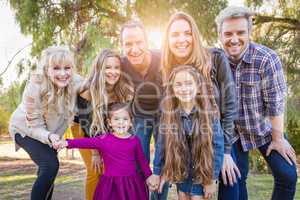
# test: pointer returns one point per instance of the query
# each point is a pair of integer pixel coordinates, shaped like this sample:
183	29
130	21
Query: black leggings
45	158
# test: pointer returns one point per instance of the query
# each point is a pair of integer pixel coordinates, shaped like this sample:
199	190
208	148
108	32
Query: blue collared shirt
261	90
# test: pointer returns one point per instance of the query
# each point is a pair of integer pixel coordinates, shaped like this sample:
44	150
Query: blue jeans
46	159
285	175
189	187
144	128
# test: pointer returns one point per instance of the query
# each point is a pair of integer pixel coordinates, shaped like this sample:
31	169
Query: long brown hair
176	146
199	57
123	91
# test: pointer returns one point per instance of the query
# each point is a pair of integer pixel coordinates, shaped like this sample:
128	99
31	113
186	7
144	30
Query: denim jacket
187	120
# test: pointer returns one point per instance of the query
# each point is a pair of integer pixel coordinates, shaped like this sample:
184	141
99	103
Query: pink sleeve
85	143
141	159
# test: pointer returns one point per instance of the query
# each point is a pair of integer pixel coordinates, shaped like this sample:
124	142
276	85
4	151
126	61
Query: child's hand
61	144
153	182
210	190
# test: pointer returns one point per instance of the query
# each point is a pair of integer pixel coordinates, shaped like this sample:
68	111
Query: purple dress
120	180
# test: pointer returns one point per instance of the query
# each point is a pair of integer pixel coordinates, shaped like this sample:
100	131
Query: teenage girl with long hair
191	138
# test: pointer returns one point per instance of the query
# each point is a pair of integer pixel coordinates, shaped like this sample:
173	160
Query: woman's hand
161	184
96	161
54	140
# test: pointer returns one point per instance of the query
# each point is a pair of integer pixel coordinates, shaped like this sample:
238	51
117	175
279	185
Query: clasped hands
56	142
156	183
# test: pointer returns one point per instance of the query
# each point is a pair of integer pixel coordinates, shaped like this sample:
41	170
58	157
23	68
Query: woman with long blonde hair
46	110
105	84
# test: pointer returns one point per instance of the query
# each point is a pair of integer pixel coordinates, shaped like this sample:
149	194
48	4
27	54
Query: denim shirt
187	123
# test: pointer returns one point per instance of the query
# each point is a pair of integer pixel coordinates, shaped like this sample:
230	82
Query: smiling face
120	121
235	37
184	87
60	74
112	70
134	45
180	39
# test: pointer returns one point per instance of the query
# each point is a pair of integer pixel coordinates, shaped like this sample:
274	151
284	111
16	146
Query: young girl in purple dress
120	151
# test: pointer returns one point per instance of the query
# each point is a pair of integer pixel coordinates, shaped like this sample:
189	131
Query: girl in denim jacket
190	137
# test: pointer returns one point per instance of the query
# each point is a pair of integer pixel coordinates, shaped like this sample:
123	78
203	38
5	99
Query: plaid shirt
260	89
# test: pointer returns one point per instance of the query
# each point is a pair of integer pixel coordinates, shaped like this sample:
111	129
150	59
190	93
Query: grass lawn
260	187
16	177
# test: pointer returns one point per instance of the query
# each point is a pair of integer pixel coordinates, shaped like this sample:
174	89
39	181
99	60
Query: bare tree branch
294	23
10	61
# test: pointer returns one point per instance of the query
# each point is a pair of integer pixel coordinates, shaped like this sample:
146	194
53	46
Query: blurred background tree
9	100
156	13
81	24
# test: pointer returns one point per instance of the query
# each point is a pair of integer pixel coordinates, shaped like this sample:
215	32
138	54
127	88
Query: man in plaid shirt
261	90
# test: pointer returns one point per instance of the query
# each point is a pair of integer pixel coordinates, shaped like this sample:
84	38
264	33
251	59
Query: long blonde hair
123	91
176	150
199	57
50	93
